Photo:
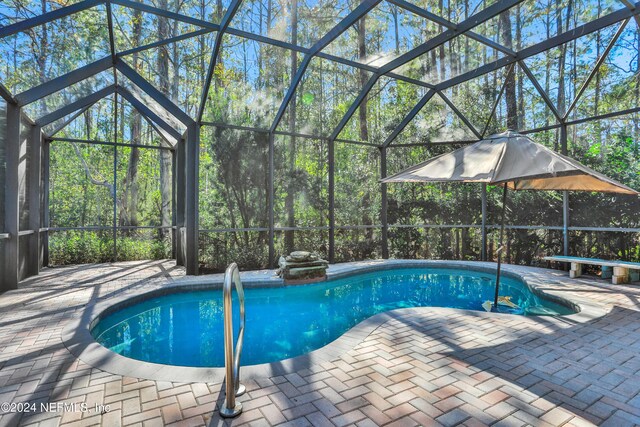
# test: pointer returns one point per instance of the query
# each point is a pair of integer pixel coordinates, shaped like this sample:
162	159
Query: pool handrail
233	388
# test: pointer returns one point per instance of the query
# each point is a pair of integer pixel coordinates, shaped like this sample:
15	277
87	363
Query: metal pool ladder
233	388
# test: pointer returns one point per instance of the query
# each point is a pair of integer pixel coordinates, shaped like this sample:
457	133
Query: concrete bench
618	271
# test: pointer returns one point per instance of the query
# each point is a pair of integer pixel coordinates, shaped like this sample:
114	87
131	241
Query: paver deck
427	366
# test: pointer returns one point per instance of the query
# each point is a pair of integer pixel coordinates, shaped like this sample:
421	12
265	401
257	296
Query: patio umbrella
515	162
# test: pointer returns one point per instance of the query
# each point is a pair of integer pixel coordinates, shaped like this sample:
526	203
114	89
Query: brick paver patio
427	366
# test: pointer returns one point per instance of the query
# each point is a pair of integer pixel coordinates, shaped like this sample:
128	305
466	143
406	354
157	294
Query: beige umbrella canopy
516	162
512	159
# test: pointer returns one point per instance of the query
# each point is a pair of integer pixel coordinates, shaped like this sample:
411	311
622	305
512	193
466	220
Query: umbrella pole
500	249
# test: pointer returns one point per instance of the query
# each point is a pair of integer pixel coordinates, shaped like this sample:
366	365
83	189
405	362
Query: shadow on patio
590	370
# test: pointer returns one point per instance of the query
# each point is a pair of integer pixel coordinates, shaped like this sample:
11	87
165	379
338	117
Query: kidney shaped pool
186	328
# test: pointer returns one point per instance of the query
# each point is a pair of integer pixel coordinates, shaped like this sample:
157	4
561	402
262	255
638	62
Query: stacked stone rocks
302	267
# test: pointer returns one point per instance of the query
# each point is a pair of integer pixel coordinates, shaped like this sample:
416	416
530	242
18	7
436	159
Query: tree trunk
596	96
443	69
289	242
175	58
217	80
202	46
510	84
562	61
466	39
363	115
520	94
636	122
394	13
131	191
547	116
42	53
260	53
362	53
162	66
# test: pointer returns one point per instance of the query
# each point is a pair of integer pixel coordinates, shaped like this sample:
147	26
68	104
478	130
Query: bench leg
620	275
607	272
576	270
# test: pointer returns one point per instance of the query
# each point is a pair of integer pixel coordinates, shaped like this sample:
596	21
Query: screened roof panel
133	28
48	51
455	57
533	111
69	94
274	19
580	58
532	21
387	104
317	17
157	130
137	130
616	78
149	102
436	122
253	16
249	82
206	10
251	79
187	62
454	10
13	11
498	121
475	98
323	97
389	32
95	124
55	128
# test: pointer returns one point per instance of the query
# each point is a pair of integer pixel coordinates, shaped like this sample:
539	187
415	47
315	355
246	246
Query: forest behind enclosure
249	82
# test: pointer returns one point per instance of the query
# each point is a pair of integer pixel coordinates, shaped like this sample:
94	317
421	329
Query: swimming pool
185	328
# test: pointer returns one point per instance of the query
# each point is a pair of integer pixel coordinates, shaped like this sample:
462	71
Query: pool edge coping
76	335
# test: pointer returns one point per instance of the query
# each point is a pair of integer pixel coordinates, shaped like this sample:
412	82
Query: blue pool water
186	328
